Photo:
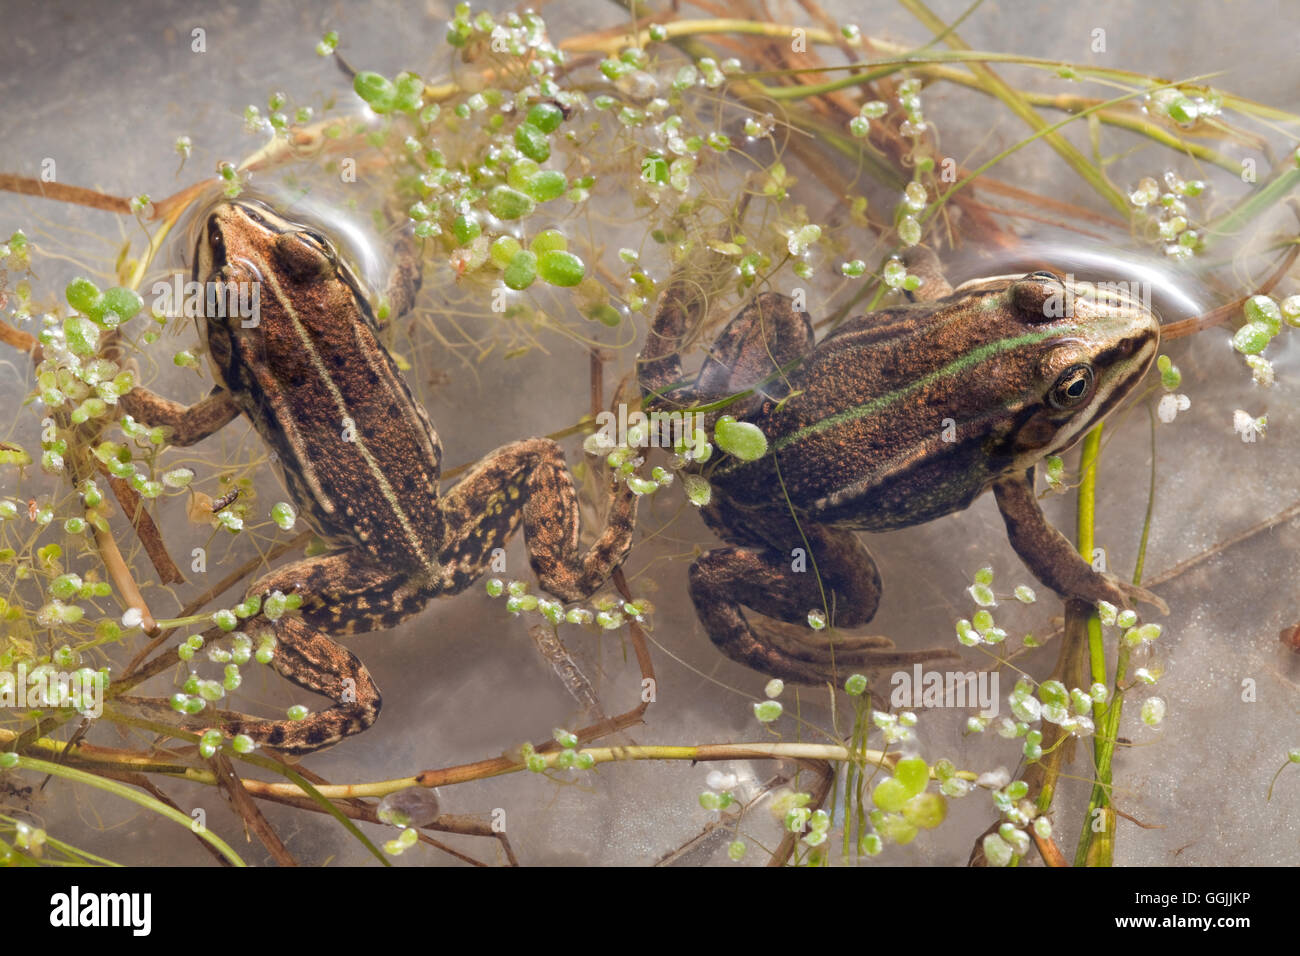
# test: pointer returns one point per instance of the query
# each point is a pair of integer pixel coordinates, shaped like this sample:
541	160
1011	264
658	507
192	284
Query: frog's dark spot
373	377
317	735
393	411
275	736
408	483
338	360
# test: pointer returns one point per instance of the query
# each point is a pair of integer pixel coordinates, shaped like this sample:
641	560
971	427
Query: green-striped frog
895	418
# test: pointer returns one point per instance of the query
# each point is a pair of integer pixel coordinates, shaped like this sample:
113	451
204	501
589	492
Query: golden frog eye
1072	388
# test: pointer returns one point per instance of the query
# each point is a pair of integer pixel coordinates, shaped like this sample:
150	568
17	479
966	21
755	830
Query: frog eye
1072	388
1044	275
317	242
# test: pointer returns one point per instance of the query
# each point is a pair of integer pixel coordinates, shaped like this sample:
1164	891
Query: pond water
103	95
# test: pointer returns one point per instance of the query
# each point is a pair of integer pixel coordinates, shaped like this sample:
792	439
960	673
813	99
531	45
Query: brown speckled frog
895	418
361	461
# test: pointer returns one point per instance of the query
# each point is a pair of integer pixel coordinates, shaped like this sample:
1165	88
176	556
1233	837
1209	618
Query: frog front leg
785	576
186	424
1049	554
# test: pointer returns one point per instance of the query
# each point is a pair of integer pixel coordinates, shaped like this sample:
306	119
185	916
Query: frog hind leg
783	580
343	592
310	659
528	483
757	349
922	262
659	364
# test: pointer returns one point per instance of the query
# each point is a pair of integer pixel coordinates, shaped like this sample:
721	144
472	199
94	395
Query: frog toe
1130	594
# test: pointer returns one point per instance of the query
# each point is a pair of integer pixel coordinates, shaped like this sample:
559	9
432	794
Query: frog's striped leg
838	574
527	482
1051	557
343	592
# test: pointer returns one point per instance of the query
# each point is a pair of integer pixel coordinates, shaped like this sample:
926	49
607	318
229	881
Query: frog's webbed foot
343	592
834	656
724	581
756	350
404	278
317	663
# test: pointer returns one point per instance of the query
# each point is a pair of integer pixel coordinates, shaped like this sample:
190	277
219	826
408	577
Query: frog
894	419
361	460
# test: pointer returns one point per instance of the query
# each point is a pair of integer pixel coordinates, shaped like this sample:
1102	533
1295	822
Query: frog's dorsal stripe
426	561
956	367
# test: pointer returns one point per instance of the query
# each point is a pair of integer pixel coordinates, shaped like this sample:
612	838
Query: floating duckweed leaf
521	271
506	203
740	439
532	142
561	268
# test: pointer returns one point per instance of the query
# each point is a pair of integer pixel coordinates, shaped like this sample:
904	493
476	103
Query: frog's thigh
767	335
786	584
348	592
528	481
